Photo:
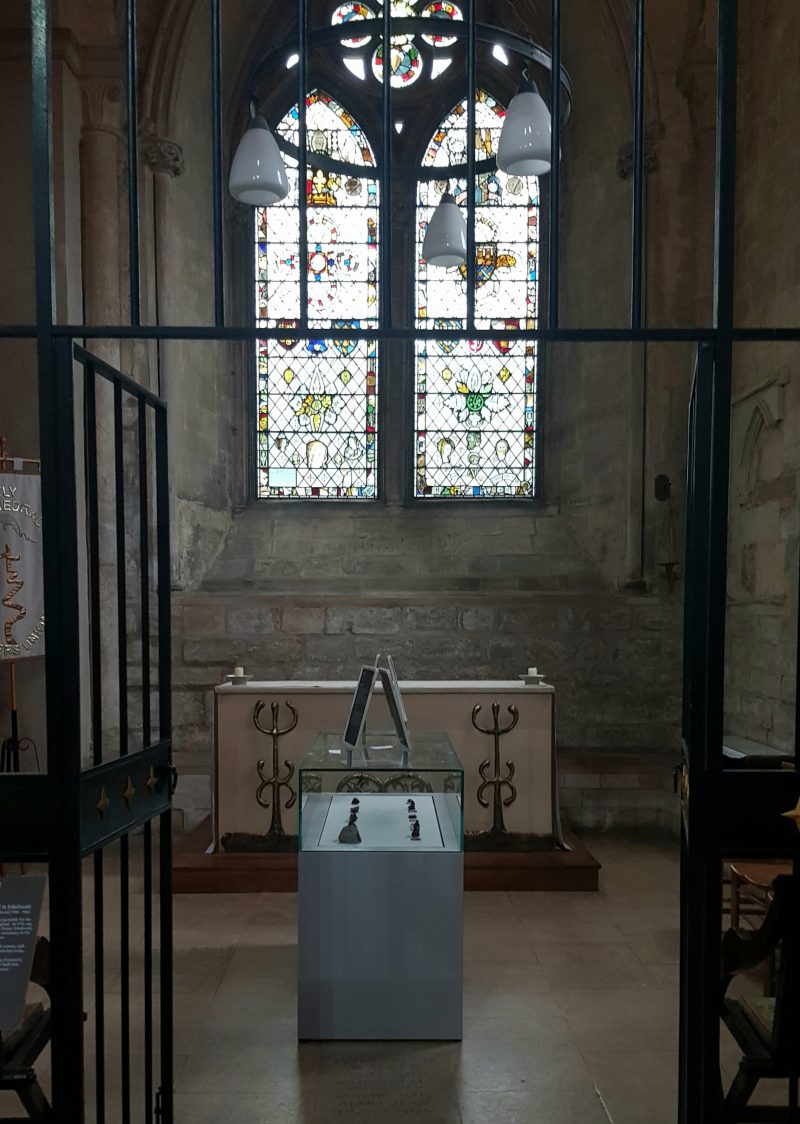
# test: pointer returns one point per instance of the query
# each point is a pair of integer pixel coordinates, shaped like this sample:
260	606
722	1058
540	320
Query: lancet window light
317	265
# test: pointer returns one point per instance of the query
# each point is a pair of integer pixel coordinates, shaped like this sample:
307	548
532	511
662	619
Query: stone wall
765	437
448	599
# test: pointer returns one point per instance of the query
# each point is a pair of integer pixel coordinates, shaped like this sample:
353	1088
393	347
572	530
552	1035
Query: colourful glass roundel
441	10
406	63
349	13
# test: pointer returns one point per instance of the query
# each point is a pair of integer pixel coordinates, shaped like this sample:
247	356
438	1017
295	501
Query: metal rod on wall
302	163
554	182
385	280
471	83
216	160
637	224
133	159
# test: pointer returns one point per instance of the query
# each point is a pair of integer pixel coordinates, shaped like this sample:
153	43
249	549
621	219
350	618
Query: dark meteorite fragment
349	834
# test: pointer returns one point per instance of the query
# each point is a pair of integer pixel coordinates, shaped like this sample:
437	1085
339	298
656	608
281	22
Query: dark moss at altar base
245	842
508	841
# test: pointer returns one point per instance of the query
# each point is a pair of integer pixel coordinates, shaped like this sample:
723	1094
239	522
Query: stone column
100	210
697	77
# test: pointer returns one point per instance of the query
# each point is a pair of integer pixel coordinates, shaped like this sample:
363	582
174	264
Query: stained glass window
317	399
476	400
409	60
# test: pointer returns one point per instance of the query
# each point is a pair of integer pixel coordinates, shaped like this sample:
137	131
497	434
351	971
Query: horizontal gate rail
123	793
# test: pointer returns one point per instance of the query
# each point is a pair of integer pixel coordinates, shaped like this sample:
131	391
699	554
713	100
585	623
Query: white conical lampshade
258	174
524	148
445	240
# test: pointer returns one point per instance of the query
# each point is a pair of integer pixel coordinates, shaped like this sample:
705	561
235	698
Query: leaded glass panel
476	400
317	399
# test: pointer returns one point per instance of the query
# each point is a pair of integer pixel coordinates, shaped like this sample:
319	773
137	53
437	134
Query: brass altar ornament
275	782
497	781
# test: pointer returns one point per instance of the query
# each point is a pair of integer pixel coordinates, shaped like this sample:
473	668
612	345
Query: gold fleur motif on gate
129	792
684	785
152	780
103	803
793	814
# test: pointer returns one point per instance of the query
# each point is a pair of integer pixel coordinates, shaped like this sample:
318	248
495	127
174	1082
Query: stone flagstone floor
570	1012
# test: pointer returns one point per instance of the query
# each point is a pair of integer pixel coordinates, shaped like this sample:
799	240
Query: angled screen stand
358	714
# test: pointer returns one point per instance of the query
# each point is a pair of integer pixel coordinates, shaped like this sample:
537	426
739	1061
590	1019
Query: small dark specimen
349	834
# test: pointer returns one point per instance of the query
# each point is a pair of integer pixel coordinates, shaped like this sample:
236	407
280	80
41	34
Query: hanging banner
21	585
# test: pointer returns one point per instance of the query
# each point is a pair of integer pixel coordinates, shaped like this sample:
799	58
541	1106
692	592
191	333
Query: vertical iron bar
122	665
147	858
554	182
697	833
122	625
216	159
471	62
62	676
96	672
302	154
165	734
125	982
133	158
385	233
99	991
144	570
93	518
703	1076
637	225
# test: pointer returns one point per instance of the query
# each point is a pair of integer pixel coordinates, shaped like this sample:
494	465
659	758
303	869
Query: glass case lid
429	751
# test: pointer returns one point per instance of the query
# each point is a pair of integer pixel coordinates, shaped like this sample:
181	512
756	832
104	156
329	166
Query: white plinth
380	925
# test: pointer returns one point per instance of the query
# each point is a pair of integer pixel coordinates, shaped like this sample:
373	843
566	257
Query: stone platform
198	870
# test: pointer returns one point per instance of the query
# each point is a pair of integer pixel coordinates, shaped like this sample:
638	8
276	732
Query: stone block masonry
614	659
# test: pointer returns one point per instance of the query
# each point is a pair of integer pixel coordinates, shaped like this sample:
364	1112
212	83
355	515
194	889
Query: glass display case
382	796
381	877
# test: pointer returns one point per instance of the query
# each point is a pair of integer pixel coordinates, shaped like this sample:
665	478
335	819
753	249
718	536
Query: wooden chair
20	1049
766	1029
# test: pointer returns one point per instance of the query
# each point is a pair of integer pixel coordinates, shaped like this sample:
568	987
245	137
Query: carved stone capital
652	135
101	103
162	155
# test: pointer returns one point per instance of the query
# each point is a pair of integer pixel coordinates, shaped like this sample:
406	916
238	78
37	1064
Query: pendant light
445	242
524	148
258	173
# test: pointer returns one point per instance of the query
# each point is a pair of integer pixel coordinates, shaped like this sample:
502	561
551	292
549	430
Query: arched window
317	400
476	400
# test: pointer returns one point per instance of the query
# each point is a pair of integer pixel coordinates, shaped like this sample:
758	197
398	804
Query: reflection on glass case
382	796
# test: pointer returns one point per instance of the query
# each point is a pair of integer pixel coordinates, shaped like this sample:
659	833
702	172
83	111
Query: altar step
196	871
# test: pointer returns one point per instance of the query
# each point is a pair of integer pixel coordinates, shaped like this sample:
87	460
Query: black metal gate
101	815
727	813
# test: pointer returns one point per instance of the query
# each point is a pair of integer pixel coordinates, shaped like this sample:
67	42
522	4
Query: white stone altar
431	705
